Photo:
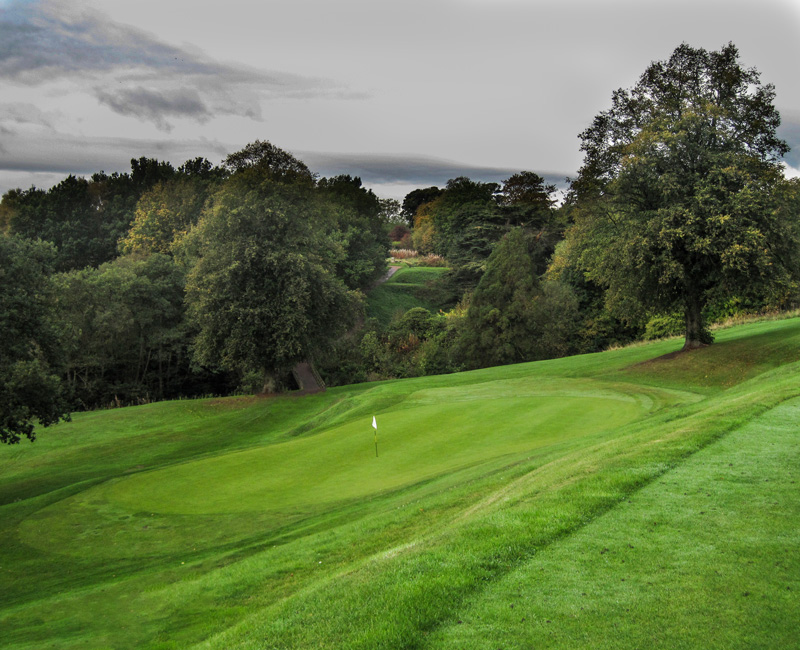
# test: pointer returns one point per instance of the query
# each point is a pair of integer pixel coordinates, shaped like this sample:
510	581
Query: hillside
632	498
406	289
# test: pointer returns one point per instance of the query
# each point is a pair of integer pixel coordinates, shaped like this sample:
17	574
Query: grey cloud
18	113
85	155
414	170
23	180
156	105
43	40
33	159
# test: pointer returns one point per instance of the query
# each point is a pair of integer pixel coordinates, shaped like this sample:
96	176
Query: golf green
431	433
339	464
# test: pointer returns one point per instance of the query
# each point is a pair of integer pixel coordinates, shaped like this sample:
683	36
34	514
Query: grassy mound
406	289
622	499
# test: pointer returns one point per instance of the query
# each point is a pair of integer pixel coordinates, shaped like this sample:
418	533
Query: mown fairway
610	500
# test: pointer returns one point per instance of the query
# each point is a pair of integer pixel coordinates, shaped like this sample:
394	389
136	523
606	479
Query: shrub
659	327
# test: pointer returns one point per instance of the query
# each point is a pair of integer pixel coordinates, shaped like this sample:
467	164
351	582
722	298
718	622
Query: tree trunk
696	336
270	383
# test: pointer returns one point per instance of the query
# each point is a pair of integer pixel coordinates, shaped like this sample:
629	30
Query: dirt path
392	270
307	380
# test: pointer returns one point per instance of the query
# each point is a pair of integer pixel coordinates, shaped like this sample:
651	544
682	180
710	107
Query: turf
705	557
629	498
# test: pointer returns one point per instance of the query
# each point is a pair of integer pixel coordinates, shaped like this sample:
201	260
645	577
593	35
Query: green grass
406	289
608	500
704	557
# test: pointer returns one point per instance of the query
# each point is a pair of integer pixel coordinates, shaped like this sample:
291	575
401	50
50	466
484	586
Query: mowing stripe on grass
706	556
382	568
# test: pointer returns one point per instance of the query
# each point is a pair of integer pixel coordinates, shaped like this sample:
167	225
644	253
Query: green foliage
66	215
415	344
31	392
525	200
125	339
409	287
663	326
416	198
598	328
358	221
164	214
465	221
263	293
424	234
270	161
467	224
680	195
83	218
512	317
391	212
527	189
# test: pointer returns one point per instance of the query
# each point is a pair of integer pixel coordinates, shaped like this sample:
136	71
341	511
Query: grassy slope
166	525
403	291
704	557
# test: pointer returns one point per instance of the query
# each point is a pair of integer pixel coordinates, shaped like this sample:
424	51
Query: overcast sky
404	93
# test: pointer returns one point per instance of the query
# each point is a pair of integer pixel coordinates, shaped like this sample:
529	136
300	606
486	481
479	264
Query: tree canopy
678	199
31	391
262	293
270	159
513	316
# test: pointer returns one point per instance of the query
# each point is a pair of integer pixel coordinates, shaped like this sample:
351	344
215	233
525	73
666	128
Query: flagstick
376	442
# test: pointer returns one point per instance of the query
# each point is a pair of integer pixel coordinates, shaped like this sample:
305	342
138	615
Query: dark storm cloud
420	170
86	155
44	41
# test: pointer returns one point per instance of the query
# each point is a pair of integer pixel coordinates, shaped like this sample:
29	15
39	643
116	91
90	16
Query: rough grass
271	524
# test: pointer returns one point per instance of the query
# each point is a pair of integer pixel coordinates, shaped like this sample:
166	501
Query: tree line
164	282
201	279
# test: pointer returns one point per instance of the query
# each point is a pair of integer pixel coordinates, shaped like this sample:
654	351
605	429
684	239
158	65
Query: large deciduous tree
263	293
679	195
417	198
272	160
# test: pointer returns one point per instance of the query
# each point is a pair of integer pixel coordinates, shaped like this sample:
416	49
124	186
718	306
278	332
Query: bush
663	326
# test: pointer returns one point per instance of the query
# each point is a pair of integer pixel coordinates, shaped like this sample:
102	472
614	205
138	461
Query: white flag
374	423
